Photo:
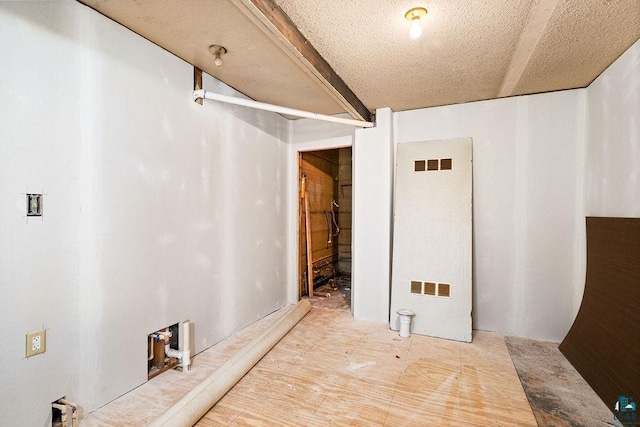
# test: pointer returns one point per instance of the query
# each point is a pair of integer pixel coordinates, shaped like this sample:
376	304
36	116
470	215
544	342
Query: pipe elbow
183	356
72	405
199	94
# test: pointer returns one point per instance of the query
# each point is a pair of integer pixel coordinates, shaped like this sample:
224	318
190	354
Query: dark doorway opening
324	237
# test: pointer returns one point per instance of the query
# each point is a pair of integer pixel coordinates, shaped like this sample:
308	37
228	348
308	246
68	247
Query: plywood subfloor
145	403
557	393
334	370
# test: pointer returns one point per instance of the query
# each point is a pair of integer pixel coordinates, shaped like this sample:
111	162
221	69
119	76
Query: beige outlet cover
36	343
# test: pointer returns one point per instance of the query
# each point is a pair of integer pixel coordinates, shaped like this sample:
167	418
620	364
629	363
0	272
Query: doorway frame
340	139
302	268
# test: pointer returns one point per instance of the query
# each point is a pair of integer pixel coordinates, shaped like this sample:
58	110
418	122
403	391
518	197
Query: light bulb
414	16
217	51
416	29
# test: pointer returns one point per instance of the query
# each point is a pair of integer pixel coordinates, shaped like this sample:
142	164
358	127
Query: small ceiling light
217	52
414	16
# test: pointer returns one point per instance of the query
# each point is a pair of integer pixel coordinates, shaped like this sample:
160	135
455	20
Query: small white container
405	322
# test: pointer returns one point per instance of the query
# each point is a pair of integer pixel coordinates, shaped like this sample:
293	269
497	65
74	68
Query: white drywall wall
528	207
157	210
371	232
613	139
39	152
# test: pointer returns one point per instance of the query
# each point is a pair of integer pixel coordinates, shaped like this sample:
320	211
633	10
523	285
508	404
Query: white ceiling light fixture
217	51
414	16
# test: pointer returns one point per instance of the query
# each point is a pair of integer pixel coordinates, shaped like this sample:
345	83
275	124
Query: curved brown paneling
604	341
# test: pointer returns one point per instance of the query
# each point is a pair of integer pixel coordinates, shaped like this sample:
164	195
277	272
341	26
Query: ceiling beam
277	25
538	18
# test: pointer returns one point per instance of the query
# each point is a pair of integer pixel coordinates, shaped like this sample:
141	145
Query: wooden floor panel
333	370
339	371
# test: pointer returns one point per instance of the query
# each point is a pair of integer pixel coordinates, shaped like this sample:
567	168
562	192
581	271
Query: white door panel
432	245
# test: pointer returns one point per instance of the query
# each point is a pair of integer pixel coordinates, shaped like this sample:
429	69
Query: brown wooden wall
344	200
321	168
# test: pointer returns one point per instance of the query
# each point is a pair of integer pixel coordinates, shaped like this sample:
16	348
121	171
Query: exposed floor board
145	403
557	393
334	370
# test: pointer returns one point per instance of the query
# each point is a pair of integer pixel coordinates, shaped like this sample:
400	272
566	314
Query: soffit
254	64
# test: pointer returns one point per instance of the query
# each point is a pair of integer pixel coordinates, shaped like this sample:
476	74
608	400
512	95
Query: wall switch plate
34	204
36	342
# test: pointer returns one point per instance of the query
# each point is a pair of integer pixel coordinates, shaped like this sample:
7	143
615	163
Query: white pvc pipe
203	94
151	342
172	352
183	356
186	346
195	404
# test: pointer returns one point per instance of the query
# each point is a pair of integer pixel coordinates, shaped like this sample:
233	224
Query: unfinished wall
528	207
345	189
150	208
321	170
613	139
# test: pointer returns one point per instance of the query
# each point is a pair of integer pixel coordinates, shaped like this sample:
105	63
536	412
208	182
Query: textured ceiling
469	50
581	39
254	64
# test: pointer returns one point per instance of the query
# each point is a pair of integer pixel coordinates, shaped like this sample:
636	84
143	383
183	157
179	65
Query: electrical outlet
36	342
